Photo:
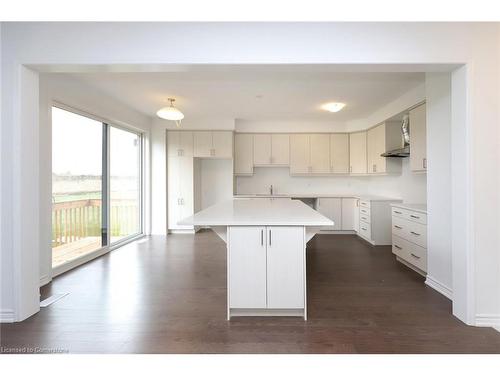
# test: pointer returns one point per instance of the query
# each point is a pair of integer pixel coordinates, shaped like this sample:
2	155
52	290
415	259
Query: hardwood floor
168	295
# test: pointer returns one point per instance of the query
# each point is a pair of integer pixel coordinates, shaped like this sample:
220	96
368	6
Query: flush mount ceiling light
171	113
333	107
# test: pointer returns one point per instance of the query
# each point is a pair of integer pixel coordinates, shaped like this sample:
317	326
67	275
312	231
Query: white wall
411	187
216	181
75	94
54	45
438	108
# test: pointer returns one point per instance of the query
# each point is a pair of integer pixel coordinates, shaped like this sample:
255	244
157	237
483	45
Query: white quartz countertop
312	195
418	207
258	211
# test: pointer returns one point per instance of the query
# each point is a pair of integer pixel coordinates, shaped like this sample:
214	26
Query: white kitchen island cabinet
266	253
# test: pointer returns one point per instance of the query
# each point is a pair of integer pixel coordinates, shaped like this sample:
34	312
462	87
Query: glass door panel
77	184
125	183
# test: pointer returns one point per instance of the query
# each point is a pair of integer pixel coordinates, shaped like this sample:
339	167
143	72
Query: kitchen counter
418	207
314	196
258	211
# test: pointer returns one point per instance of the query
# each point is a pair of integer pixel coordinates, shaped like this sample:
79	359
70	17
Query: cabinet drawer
365	230
365	218
417	217
364	211
363	203
410	231
410	252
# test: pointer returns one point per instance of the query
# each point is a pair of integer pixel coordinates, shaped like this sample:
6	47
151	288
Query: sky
77	146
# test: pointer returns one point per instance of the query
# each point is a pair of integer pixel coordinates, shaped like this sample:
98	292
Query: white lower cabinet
409	237
266	269
375	221
349	217
247	267
332	209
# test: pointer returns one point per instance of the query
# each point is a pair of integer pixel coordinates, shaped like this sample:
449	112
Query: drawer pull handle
398	212
397	226
398	247
415	256
415	217
363	228
416	234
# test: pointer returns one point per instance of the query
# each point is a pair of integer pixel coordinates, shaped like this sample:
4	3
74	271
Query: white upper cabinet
271	149
357	152
243	154
222	144
261	149
213	144
202	144
382	138
280	149
180	143
418	148
320	153
299	154
339	153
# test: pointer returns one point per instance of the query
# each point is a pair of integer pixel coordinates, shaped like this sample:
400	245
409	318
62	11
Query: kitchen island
266	253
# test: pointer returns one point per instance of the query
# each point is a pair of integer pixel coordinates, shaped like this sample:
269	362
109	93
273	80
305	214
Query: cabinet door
203	144
320	153
280	149
339	153
173	192
247	267
332	209
285	267
371	149
185	176
299	154
357	152
243	154
222	144
174	143
349	207
262	149
418	147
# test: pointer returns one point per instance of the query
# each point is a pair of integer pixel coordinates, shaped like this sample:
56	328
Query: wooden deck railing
74	220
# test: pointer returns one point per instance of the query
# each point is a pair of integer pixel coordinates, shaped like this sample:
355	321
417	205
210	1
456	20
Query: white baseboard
441	288
181	231
6	316
488	320
44	280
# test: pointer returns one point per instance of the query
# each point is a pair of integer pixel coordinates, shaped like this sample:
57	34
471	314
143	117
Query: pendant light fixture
171	113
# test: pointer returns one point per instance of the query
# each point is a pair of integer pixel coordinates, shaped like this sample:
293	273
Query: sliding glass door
96	186
125	183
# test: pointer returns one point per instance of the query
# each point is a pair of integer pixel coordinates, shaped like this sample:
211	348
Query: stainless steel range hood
405	151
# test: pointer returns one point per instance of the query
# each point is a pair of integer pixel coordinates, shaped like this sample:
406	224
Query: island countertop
258	211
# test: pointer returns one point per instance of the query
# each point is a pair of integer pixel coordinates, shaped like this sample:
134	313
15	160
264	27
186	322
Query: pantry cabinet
213	144
418	139
266	267
243	154
180	143
180	191
357	153
339	153
380	139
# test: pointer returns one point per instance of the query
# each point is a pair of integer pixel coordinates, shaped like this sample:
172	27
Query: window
96	186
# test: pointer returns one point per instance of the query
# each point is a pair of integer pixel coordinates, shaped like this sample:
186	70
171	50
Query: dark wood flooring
168	295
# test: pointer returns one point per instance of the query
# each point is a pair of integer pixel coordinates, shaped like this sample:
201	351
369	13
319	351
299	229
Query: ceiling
256	92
